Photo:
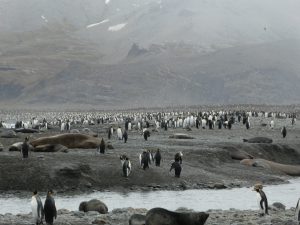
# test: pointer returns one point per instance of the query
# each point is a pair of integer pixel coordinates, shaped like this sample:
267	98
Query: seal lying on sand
291	170
16	147
69	140
239	154
26	130
8	134
160	216
258	140
50	148
180	136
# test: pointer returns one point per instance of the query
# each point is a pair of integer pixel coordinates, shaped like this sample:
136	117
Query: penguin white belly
34	208
119	133
128	169
258	197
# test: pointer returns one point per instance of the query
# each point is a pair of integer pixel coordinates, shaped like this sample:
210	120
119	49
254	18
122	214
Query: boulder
93	205
109	145
277	206
137	219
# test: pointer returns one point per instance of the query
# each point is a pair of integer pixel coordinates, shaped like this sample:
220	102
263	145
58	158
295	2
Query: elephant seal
26	130
258	140
74	131
69	140
292	170
181	136
237	154
16	147
89	132
50	148
137	219
8	134
93	205
160	216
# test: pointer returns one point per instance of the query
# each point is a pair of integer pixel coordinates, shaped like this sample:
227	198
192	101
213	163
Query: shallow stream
199	200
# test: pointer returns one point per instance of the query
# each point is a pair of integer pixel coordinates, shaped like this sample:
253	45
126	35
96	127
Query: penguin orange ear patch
258	186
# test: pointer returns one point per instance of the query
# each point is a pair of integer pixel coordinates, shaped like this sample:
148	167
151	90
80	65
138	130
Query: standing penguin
50	208
126	167
176	165
102	146
247	124
109	133
119	133
272	124
157	157
297	211
261	199
146	134
144	160
283	132
25	148
37	209
125	136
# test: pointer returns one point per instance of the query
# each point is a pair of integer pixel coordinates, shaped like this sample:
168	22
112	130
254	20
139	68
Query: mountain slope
148	53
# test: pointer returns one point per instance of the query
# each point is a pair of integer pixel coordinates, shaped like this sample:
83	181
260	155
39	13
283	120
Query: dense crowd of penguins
141	121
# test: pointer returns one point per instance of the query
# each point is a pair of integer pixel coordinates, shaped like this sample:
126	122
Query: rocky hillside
148	53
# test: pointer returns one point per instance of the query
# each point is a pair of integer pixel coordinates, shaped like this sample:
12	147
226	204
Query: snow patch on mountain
44	18
117	27
96	24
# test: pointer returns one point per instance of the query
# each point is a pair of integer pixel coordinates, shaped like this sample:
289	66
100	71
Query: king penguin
37	209
283	131
297	211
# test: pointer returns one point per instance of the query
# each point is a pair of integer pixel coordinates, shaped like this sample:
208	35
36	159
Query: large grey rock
277	206
93	205
137	219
